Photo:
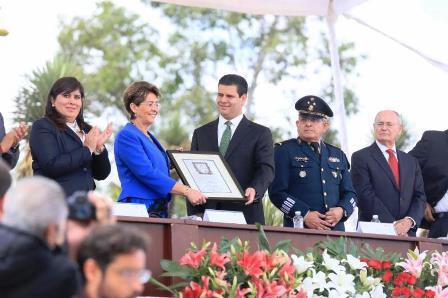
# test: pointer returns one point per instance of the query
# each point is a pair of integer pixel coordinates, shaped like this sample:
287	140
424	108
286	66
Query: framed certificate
207	172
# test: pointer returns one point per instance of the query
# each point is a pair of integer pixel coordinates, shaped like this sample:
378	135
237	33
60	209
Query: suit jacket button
84	169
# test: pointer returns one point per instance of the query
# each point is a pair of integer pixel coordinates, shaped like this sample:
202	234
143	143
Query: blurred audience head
112	261
37	205
65	103
5	183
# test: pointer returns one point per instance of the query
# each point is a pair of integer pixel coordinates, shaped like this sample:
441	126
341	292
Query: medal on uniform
302	174
335	174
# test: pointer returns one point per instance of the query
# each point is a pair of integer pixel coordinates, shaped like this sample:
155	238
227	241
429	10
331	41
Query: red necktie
393	164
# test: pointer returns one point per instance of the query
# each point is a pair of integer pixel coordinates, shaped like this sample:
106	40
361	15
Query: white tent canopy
275	7
329	8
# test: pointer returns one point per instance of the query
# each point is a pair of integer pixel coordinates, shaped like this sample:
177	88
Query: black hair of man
5	178
234	79
106	243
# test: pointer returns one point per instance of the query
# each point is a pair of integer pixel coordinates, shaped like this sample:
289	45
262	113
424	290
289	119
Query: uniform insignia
301	158
310	108
333	159
335	174
302	174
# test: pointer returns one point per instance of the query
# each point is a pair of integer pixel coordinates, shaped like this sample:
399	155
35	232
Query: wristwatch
15	147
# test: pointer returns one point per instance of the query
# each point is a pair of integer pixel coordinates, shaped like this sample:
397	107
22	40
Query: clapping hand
91	140
103	137
13	137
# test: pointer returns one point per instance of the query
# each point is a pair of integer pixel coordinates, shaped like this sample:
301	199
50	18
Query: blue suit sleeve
347	192
278	192
131	153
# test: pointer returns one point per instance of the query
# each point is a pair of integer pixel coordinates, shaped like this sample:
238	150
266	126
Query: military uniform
304	183
309	181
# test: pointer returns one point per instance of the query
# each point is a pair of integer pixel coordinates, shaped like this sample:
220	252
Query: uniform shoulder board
285	142
333	146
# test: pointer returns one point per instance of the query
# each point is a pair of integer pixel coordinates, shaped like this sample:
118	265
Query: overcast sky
390	77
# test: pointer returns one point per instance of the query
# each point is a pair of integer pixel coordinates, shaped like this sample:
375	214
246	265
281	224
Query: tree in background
183	52
114	47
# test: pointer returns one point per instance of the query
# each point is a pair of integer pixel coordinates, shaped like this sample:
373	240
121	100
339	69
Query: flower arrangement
329	269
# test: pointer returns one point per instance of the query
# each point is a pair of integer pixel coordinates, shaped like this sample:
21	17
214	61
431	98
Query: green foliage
272	216
31	99
343	246
115	48
403	140
263	242
178	207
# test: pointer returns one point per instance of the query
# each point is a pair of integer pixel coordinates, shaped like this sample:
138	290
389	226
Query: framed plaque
207	172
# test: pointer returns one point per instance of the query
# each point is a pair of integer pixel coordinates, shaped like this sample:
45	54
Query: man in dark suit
246	146
388	181
9	142
312	176
431	153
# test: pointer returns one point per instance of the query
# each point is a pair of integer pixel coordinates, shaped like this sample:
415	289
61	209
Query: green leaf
283	245
263	242
161	285
175	269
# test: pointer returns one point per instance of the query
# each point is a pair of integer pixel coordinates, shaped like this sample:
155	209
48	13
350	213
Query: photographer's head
112	261
37	205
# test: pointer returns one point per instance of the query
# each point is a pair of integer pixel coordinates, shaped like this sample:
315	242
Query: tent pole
336	72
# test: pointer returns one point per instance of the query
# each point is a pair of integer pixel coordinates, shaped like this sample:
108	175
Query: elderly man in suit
9	142
431	153
246	146
388	181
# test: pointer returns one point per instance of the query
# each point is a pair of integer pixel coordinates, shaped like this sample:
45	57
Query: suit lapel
403	167
72	134
306	149
239	135
379	157
160	148
323	152
212	135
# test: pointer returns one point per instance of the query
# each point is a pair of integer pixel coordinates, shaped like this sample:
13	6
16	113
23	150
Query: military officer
312	176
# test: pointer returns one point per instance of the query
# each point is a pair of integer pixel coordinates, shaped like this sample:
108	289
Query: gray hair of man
33	204
399	118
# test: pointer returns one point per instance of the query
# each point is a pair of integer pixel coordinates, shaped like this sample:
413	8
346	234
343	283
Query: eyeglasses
151	104
143	276
387	124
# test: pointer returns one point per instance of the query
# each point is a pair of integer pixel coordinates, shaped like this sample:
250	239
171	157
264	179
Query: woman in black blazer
63	146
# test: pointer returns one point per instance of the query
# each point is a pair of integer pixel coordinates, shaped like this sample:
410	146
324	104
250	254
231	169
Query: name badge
301	158
333	159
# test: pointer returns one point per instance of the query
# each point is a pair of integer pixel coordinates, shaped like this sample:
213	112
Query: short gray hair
33	204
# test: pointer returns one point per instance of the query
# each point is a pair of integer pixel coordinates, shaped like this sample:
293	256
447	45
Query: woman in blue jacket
143	166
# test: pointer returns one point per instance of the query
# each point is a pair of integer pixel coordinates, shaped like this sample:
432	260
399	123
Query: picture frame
207	172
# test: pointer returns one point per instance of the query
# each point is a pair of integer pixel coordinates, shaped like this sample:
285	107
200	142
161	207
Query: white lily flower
377	292
332	264
355	263
342	282
320	281
301	264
